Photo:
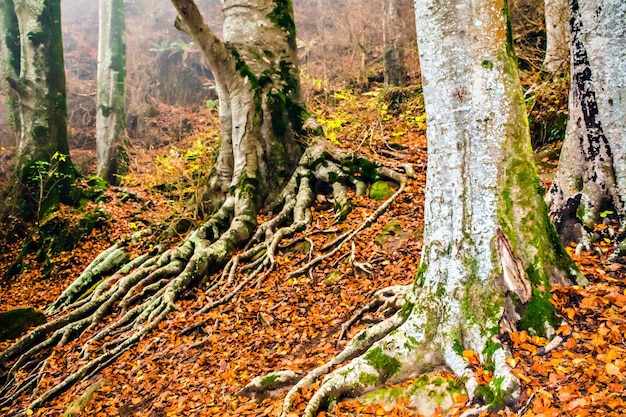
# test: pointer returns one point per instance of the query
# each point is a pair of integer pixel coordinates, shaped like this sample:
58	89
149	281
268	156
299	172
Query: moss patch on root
386	365
426	393
381	190
15	322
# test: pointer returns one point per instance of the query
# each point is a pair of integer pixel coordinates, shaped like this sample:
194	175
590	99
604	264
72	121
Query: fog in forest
340	44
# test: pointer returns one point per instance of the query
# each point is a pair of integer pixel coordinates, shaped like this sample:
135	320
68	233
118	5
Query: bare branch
190	21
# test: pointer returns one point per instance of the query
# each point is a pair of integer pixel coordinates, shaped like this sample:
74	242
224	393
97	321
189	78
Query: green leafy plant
42	179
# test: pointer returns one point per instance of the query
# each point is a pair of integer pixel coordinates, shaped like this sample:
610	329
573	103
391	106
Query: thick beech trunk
591	178
490	252
257	78
110	116
42	103
557	36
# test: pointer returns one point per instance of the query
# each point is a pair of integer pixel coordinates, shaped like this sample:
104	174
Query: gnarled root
389	300
399	349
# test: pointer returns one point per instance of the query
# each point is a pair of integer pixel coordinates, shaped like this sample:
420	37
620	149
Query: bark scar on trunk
513	273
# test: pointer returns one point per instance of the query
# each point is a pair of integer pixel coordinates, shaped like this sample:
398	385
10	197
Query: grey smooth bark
490	252
110	116
557	36
261	110
10	57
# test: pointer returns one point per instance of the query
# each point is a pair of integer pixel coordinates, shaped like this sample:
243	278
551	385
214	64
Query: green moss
15	322
390	229
538	313
487	64
420	276
509	31
362	168
406	309
380	190
368	379
244	70
481	305
427	387
282	16
457	345
440	292
532	236
386	365
490	349
269	379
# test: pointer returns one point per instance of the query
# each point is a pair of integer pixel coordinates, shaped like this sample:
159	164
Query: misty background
340	44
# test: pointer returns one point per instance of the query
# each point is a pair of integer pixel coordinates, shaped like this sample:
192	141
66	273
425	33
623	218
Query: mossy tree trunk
110	116
397	28
10	56
44	169
490	252
591	178
261	111
557	36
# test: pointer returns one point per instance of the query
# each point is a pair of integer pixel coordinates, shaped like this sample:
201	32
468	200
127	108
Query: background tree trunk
45	170
10	55
110	116
490	252
398	25
591	178
557	36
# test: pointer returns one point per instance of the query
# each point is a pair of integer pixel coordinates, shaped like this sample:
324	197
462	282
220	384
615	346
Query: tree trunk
490	252
557	36
110	143
591	179
398	23
45	170
261	111
10	55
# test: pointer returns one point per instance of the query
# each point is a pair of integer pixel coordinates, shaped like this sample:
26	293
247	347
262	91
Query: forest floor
295	324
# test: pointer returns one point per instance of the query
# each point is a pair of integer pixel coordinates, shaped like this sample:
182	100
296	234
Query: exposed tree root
389	300
403	346
144	290
265	386
361	341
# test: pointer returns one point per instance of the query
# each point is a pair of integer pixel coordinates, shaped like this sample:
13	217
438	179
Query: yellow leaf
611	355
380	412
29	412
471	357
611	369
